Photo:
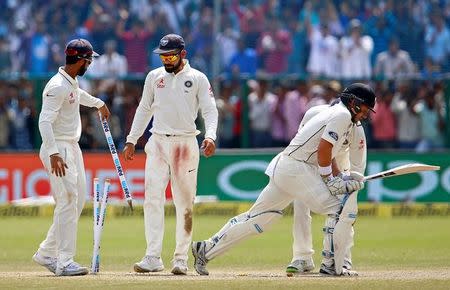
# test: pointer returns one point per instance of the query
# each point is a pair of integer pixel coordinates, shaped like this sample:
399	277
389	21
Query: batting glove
352	175
336	185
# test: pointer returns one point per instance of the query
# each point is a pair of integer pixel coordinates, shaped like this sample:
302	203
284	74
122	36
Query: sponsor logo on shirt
161	84
71	98
361	144
333	135
188	84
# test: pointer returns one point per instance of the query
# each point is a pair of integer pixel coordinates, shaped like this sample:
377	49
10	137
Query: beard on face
172	68
82	71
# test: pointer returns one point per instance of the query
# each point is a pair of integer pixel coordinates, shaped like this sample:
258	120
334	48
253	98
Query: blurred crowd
325	43
329	38
409	114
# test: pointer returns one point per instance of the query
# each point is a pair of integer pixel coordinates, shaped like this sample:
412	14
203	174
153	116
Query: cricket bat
401	170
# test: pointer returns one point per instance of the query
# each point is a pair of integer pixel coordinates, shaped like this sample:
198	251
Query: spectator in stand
37	48
135	44
110	64
259	103
316	96
298	100
274	47
22	125
251	19
408	133
299	55
103	28
410	31
431	123
279	110
381	31
5	57
384	125
244	62
355	53
322	60
227	107
393	63
4	123
437	42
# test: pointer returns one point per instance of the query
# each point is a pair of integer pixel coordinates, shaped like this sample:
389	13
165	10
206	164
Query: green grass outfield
389	253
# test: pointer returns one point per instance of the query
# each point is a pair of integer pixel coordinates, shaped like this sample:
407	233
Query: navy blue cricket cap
170	43
81	48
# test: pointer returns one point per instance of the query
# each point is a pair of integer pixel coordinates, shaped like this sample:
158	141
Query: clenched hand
208	147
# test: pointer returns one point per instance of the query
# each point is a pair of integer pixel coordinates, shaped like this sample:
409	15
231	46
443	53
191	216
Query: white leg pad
238	229
343	233
328	246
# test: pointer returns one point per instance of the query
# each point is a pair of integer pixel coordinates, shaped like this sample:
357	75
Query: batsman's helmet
80	48
358	94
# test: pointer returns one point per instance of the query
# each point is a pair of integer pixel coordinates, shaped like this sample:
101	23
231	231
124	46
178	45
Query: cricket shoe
299	267
47	262
73	269
149	264
331	271
200	261
179	267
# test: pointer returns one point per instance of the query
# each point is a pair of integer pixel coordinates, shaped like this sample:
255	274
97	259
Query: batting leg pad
238	229
344	233
328	246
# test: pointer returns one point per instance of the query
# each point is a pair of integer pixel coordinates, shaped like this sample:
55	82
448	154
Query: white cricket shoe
331	271
200	261
149	264
73	269
300	267
47	262
179	267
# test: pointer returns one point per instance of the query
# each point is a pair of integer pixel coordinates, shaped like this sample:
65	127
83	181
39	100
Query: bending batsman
172	94
351	160
303	171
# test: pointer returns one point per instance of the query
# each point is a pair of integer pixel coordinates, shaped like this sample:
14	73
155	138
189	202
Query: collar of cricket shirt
72	81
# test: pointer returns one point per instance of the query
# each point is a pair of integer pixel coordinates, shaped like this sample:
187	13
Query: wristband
325	171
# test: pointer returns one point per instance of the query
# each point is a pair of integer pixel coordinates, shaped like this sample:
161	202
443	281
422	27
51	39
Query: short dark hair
72	59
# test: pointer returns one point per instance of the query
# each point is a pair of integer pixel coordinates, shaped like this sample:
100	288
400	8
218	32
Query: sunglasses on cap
170	58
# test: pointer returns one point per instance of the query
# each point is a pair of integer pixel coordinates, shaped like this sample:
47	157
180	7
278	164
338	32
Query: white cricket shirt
174	100
60	115
332	124
355	145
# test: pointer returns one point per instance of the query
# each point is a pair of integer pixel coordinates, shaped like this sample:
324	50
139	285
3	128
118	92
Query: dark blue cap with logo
170	43
81	48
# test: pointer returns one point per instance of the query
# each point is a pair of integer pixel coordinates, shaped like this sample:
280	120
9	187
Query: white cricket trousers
173	158
290	180
69	193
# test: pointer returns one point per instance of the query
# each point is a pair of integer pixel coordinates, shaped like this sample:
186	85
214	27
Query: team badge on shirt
188	84
333	135
71	98
161	84
361	144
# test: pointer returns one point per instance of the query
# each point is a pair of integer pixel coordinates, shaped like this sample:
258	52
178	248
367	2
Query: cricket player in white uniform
303	171
172	95
60	128
351	161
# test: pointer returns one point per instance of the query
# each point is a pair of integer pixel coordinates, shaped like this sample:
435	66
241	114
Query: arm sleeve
52	100
358	151
335	128
208	107
90	101
143	112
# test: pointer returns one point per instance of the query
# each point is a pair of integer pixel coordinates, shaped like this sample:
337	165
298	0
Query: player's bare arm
104	112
